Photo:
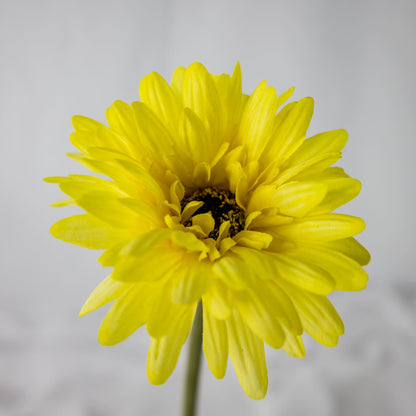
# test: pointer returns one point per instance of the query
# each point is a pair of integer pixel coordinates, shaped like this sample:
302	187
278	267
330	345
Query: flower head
214	196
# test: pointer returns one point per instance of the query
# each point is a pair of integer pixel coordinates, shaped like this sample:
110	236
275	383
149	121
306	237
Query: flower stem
194	360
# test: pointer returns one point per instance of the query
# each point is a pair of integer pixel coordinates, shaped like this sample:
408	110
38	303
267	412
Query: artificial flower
214	196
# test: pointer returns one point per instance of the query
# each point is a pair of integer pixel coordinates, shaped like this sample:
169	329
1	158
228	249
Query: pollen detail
223	207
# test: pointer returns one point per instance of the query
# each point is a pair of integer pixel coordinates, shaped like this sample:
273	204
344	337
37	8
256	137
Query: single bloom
214	196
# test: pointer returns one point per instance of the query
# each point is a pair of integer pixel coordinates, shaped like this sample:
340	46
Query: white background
60	58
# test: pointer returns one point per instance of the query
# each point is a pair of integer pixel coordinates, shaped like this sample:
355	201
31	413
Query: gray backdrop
59	58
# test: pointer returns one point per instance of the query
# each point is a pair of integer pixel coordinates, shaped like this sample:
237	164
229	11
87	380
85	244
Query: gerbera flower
214	196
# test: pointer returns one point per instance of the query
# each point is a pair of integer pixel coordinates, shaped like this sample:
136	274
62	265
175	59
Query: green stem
194	360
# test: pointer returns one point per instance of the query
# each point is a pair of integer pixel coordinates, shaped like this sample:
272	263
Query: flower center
223	207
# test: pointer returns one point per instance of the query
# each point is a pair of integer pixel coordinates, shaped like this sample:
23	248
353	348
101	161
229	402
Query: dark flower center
223	207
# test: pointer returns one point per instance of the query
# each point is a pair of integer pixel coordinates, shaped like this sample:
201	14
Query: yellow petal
327	142
205	221
298	198
120	118
285	96
294	345
105	292
177	81
279	305
340	191
199	232
173	222
347	273
164	352
253	239
257	120
86	231
306	276
111	256
220	154
194	137
241	192
188	241
189	209
90	133
259	318
217	300
331	173
235	174
82	123
152	134
215	344
101	154
202	174
140	178
200	95
177	192
269	221
229	91
156	93
319	318
63	203
323	227
221	169
233	271
290	133
257	262
145	215
104	137
101	199
247	354
261	197
283	114
57	179
223	231
308	168
250	218
253	264
123	181
149	266
108	209
146	242
351	248
191	282
164	313
129	312
77	185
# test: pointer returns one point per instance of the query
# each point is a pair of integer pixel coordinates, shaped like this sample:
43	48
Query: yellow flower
214	195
